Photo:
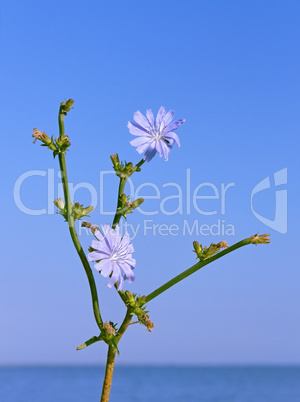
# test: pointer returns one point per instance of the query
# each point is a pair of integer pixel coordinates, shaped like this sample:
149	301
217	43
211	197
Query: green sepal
78	211
123	169
62	145
137	306
126	206
203	253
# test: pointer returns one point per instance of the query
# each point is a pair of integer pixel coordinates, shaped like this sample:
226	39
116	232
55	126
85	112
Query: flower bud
115	160
78	211
66	106
136	203
260	239
59	203
204	253
197	249
62	210
87	210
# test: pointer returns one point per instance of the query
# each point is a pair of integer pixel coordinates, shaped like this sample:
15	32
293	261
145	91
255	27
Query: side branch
251	240
78	247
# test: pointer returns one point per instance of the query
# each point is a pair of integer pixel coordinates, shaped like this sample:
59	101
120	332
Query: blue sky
231	69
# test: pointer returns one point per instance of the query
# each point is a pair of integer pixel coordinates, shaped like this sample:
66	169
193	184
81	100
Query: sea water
145	384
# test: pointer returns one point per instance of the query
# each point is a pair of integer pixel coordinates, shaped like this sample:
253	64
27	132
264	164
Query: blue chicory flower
154	135
114	255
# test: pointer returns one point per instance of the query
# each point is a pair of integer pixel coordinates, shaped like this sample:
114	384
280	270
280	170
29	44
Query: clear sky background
231	69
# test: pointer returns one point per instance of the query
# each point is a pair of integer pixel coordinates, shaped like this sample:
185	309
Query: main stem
76	242
110	362
111	354
109	370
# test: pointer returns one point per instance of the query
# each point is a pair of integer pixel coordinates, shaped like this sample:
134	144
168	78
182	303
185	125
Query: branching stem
195	268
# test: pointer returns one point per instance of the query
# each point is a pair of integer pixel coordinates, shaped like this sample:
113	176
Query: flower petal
129	274
99	235
150	117
112	236
174	125
107	268
150	152
97	255
104	267
140	141
131	261
158	146
135	129
126	240
130	248
120	285
160	115
172	137
97	244
142	148
116	274
141	120
101	246
168	118
166	150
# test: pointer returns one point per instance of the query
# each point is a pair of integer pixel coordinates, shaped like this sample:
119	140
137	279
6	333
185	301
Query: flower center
157	135
114	256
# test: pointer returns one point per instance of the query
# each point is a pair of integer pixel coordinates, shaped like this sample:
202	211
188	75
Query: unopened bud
66	106
61	208
59	203
78	211
260	239
115	160
87	210
197	248
137	203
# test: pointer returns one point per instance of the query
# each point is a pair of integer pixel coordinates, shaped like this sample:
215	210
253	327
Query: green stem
78	247
61	123
117	216
141	162
122	184
125	325
195	268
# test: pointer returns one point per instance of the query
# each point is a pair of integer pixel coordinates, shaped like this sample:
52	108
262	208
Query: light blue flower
113	255
154	135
